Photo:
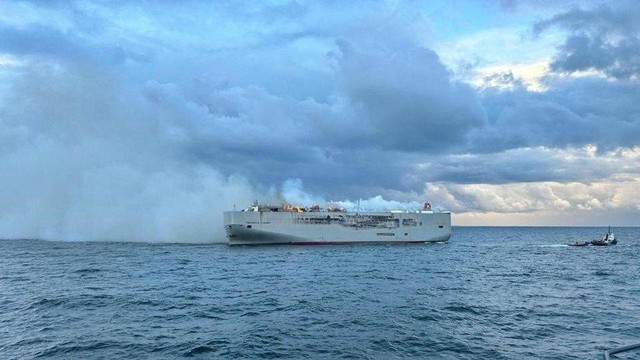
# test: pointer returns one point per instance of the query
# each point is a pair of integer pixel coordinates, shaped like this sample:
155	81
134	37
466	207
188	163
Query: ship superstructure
288	224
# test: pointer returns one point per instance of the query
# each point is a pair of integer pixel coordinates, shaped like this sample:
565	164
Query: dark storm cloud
534	136
397	97
524	165
529	121
408	96
572	112
270	139
606	38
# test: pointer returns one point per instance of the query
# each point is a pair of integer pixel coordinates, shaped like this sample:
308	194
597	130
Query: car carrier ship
288	224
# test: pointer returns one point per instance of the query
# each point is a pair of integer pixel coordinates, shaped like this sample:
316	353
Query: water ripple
491	293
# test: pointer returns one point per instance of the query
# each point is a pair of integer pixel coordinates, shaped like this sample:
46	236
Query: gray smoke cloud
86	157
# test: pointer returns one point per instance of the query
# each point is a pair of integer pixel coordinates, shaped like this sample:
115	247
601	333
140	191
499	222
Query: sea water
490	293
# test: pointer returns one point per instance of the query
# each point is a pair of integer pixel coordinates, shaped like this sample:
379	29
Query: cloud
533	197
512	76
572	112
605	38
124	121
408	97
529	165
43	41
618	17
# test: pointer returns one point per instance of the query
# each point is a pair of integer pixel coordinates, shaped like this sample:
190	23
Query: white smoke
377	203
293	192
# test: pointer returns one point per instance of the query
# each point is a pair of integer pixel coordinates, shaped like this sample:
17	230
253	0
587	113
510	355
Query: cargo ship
288	224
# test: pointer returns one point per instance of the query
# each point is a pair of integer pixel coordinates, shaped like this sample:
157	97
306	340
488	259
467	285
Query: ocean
489	293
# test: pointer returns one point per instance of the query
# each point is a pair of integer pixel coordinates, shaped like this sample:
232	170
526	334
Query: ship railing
620	350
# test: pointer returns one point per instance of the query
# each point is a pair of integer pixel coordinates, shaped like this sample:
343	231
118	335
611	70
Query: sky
145	120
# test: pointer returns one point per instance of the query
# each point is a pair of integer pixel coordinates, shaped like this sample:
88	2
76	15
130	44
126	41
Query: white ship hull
257	227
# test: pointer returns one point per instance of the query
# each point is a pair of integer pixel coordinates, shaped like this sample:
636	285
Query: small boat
608	239
579	243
